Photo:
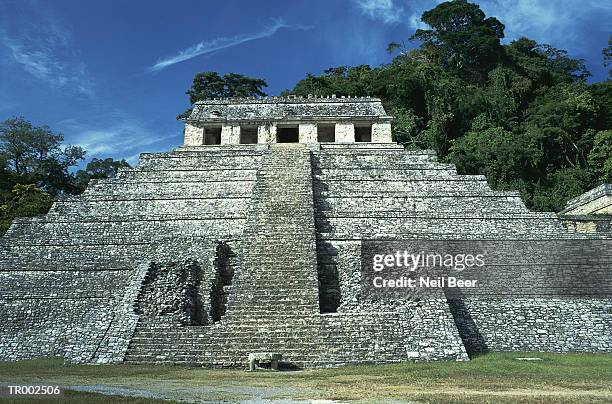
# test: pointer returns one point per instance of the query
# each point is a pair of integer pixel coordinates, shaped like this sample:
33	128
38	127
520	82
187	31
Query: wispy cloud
395	12
124	137
385	10
45	51
543	20
221	43
557	22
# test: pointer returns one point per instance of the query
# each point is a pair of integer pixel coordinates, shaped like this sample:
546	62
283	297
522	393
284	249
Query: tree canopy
461	39
207	85
520	113
35	168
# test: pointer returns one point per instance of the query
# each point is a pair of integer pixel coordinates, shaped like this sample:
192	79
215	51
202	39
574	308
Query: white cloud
45	51
385	10
123	137
217	44
560	23
396	11
556	22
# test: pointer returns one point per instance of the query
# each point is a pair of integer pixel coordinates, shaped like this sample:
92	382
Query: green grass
78	397
497	377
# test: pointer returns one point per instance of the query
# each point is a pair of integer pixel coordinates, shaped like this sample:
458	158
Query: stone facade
194	135
203	255
590	212
230	134
597	201
308	133
345	132
302	113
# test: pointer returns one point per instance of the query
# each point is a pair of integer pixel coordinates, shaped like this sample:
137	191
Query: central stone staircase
273	304
279	266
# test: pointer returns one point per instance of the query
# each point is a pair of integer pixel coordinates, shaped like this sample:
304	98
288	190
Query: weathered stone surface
381	132
266	133
230	134
203	255
308	133
596	201
345	132
194	135
286	108
338	114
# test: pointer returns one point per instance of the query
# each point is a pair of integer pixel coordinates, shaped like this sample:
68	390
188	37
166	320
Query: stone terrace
233	244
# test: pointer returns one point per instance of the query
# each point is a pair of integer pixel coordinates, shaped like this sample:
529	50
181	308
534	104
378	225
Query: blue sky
111	75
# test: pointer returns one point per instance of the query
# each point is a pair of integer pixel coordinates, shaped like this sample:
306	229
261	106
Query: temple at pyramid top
288	119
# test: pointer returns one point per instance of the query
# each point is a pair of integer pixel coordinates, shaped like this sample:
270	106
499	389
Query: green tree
543	64
552	191
35	155
602	96
407	127
522	114
607	56
600	157
99	168
207	85
461	38
507	159
560	122
24	201
341	81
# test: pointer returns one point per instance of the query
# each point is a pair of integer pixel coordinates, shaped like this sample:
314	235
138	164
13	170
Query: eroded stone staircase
274	293
279	267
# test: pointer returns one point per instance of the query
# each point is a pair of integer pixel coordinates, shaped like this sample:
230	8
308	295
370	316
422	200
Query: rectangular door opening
287	134
248	134
326	133
363	133
212	135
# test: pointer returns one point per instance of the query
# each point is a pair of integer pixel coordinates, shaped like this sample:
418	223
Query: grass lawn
497	377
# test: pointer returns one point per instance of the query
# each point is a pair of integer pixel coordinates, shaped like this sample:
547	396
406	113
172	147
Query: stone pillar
230	134
381	132
345	132
266	133
308	133
194	136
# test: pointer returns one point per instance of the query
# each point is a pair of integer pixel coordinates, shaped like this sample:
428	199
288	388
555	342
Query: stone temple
247	238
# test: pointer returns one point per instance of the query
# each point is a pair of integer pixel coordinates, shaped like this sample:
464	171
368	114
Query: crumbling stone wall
70	278
221	285
171	294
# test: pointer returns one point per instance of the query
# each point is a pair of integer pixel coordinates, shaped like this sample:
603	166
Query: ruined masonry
247	238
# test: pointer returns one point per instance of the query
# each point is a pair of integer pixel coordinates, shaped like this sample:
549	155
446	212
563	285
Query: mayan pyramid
247	238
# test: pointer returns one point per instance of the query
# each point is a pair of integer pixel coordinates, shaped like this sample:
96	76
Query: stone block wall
307	133
56	312
381	192
345	132
266	133
534	324
587	223
194	135
381	132
230	134
69	277
276	232
597	201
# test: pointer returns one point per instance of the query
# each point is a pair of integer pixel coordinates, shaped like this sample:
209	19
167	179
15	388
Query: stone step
280	226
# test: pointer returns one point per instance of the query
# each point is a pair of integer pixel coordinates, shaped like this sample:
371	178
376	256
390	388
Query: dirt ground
495	378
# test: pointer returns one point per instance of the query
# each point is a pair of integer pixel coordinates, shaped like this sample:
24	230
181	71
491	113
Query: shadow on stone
468	330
